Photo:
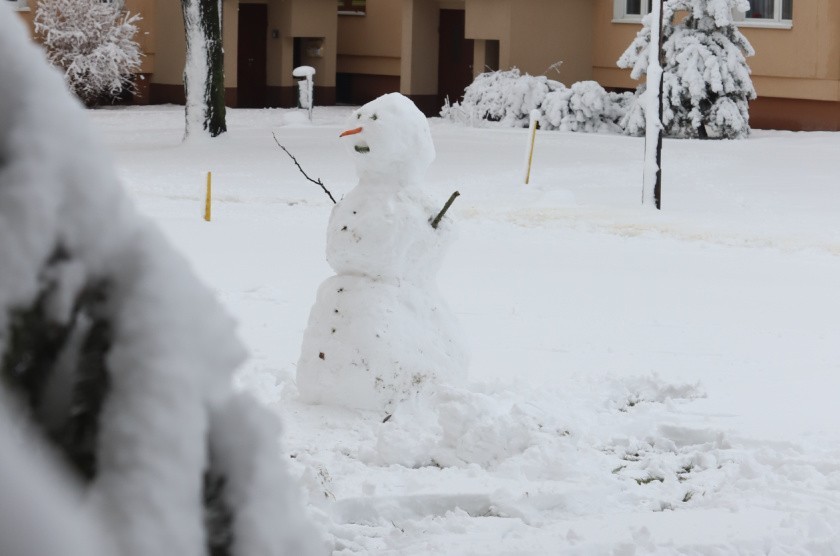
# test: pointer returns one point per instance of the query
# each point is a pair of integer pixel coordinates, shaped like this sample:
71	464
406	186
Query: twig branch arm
317	182
436	221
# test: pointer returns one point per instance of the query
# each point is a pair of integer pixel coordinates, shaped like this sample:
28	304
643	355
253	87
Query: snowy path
657	383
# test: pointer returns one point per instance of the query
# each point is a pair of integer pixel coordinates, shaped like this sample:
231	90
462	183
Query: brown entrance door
250	75
455	57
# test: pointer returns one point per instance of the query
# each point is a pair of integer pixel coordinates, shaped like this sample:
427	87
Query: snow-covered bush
585	106
92	42
508	97
114	354
707	85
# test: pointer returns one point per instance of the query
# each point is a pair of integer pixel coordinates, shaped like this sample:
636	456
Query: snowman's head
389	139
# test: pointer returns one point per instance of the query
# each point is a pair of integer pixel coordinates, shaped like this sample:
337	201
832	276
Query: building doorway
455	57
251	61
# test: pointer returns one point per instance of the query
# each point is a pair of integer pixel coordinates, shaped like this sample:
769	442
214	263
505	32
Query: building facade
431	49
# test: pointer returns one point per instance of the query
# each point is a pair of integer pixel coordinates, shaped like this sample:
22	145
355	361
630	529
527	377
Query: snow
303	71
621	358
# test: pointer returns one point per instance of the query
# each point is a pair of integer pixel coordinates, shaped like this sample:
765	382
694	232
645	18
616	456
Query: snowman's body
379	331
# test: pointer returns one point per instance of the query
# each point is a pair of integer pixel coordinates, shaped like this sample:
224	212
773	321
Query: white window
19	5
762	13
767	13
631	10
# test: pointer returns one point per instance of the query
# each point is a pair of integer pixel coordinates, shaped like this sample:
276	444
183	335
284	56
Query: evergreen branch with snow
317	182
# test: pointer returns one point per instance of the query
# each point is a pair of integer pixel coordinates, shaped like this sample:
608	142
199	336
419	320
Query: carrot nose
351	132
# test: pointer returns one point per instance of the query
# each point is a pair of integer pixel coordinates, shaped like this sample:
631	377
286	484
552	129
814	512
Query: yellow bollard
534	125
207	199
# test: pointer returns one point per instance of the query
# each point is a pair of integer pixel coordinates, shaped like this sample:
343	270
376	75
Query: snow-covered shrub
113	351
92	42
707	85
585	106
507	97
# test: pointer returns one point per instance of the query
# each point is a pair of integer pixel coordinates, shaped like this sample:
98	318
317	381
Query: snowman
379	331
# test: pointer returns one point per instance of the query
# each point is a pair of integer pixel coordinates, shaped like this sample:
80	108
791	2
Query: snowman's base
371	344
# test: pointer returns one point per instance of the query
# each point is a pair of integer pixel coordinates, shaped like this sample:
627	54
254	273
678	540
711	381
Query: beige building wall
370	44
419	63
802	62
534	35
489	20
314	20
169	43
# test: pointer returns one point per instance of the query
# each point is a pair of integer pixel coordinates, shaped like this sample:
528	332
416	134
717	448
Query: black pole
657	188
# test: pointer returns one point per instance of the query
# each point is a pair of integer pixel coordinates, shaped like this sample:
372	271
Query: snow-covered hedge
508	97
585	106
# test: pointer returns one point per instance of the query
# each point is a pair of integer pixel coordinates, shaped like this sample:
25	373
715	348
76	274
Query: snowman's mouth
362	148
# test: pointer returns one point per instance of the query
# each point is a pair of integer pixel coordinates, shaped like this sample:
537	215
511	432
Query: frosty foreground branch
318	181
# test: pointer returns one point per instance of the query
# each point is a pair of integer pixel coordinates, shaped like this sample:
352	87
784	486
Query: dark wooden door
455	57
250	75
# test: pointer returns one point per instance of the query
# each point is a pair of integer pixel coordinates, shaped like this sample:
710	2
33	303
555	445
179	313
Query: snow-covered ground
640	382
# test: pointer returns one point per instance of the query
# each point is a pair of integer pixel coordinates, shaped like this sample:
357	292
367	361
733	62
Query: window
631	10
356	7
762	13
768	11
19	5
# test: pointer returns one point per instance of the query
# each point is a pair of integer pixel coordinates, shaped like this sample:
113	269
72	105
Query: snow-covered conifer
707	85
114	352
92	42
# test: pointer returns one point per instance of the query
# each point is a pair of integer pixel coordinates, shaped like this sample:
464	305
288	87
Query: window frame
346	7
776	22
18	5
620	15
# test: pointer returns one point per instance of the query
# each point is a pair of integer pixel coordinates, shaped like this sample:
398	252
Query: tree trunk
204	77
652	179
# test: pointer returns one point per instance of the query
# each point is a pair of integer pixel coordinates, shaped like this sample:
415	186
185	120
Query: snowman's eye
374	117
358	116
